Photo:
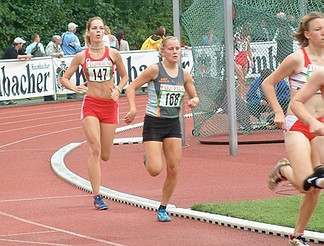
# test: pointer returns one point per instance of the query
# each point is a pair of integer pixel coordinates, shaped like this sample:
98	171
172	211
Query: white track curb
60	169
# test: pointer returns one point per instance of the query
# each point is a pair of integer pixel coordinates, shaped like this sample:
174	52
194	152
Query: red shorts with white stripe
295	124
106	110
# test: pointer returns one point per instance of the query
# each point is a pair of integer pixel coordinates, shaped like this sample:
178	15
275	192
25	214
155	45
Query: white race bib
99	71
171	96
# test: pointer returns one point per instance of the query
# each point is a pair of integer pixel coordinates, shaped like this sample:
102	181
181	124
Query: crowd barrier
37	77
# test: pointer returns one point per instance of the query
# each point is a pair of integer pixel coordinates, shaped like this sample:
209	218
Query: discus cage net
264	25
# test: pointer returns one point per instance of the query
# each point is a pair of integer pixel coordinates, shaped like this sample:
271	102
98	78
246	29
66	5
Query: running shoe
99	203
275	177
162	215
311	179
297	241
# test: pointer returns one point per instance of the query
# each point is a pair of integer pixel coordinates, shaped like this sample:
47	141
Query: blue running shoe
99	203
162	215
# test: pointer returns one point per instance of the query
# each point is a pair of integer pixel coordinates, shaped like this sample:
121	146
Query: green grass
279	211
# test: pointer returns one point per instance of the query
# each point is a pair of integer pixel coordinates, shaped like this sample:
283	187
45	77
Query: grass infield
278	211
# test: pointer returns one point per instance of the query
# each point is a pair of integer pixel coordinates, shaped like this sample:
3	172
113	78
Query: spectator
15	51
154	41
53	48
123	44
243	53
109	39
243	116
71	46
36	48
70	42
257	102
210	38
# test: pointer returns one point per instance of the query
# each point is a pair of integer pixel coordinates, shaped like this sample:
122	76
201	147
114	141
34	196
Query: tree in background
138	18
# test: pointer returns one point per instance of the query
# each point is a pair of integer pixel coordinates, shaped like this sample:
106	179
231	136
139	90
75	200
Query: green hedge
138	19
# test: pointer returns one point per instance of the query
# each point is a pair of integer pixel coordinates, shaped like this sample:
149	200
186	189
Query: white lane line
33	242
34	126
42	198
52	112
28	233
59	230
38	136
40	118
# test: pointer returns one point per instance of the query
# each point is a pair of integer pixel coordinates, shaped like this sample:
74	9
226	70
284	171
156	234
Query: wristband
120	91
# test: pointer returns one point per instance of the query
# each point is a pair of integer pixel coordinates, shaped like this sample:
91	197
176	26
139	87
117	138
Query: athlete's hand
80	89
280	121
316	127
130	116
193	102
114	94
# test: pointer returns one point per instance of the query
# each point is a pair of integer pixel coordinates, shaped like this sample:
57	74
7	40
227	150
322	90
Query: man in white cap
15	51
71	45
70	42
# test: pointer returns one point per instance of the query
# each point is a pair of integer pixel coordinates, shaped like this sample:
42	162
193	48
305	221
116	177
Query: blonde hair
165	41
89	22
304	26
107	30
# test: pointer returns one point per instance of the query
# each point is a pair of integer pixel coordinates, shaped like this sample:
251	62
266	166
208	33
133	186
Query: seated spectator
210	38
257	103
154	41
243	117
15	51
36	48
53	48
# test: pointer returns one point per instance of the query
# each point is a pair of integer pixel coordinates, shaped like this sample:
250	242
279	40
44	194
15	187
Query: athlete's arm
297	105
290	65
73	67
146	76
190	89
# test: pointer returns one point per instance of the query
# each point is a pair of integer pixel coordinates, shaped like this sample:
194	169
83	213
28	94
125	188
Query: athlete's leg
298	149
303	159
153	157
173	153
91	128
107	135
306	210
316	179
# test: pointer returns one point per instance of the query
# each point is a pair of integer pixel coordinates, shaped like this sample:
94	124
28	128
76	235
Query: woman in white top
109	39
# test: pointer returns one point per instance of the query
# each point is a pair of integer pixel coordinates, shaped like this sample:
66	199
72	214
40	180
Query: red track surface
36	207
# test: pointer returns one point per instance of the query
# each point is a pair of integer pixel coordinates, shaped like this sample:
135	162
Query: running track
38	208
